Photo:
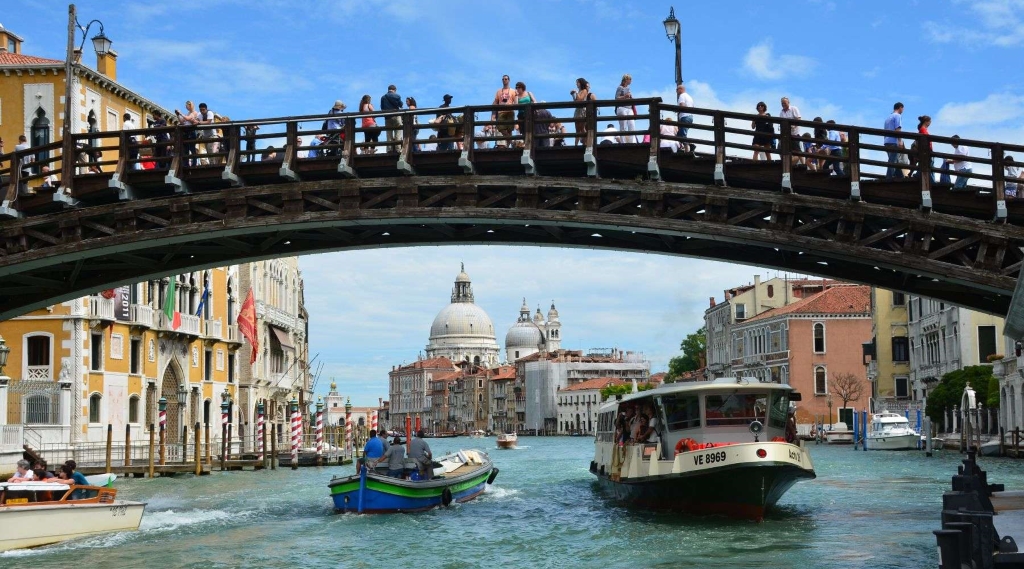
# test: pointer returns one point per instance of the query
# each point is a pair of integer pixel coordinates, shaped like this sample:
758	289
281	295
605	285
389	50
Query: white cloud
765	64
995	109
1000	23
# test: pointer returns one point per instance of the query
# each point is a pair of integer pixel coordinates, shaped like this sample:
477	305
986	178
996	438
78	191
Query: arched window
133	409
771	291
38	357
819	338
94	407
820	381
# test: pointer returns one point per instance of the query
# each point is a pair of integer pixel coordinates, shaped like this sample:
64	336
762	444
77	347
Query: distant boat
891	431
477	434
457	477
839	434
507	440
41	513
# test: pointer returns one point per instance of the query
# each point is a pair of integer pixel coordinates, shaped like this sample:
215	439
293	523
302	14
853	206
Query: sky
957	61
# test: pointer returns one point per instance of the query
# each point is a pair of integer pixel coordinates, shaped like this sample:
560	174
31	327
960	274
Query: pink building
814	345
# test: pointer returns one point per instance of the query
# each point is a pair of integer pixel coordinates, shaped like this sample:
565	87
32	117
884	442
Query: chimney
712	302
106	64
77	57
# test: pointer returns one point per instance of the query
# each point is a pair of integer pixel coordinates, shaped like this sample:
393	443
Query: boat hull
839	437
382	495
506	444
894	442
33	526
740	491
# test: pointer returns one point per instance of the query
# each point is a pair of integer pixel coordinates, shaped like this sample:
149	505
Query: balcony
141	315
190	325
101	308
276	316
213	329
39	373
233	335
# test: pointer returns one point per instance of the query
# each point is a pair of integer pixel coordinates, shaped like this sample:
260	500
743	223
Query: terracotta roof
441	362
657	378
846	299
596	383
446	376
21	60
503	372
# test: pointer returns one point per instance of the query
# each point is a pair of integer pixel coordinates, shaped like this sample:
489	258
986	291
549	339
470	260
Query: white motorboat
507	440
41	513
839	434
891	431
477	434
719	448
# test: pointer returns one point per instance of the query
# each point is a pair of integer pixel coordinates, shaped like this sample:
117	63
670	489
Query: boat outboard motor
756	427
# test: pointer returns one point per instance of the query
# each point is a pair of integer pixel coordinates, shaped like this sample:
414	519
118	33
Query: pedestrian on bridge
792	112
187	121
765	133
683	99
371	132
627	109
580	94
505	119
392	101
1012	177
893	143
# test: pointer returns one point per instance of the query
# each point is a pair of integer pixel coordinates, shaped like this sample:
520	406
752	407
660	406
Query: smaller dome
462	276
552	312
523	335
538	317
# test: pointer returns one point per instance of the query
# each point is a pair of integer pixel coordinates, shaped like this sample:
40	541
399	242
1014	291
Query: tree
950	390
695	348
847	387
622	389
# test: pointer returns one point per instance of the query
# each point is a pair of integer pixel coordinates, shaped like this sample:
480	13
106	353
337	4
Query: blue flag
202	300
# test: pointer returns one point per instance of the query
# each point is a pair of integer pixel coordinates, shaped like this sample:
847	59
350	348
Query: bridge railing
725	138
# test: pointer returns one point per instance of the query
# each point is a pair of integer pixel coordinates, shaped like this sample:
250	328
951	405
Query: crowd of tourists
822	149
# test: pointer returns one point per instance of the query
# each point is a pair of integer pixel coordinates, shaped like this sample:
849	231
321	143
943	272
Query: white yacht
719	448
891	431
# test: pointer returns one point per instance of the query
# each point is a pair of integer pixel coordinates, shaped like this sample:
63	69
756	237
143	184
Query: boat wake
170	520
500	494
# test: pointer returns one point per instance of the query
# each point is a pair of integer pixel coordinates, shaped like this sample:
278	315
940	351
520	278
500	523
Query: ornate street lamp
672	30
101	43
4	352
828	401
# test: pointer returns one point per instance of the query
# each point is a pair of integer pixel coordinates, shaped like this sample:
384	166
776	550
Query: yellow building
107	359
887	357
32	96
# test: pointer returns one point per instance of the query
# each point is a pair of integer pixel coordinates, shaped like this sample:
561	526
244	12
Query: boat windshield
780	410
681	411
735	408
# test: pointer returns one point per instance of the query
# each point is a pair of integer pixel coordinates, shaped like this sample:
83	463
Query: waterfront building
502	397
281	369
529	336
887	355
744	302
808	344
32	96
462	331
945	338
410	391
542	374
107	359
578	405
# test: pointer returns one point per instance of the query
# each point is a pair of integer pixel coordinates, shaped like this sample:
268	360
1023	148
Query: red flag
247	324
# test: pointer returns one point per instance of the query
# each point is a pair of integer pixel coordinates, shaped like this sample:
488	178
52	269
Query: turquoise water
873	509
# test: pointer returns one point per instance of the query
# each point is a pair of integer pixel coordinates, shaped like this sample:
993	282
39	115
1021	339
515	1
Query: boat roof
32	486
890	417
722	384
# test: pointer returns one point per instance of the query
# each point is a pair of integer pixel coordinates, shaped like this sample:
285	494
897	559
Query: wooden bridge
152	208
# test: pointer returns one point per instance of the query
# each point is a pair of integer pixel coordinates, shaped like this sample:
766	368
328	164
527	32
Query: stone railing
141	315
101	308
40	373
233	335
11	436
213	329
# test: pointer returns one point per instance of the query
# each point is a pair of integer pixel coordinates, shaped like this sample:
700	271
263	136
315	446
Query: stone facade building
578	405
887	355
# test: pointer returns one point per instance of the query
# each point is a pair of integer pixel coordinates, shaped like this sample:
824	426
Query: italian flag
173	316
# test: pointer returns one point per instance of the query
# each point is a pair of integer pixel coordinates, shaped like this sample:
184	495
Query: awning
282	337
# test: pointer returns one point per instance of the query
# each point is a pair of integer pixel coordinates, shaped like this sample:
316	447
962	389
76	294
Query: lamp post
101	43
672	29
828	401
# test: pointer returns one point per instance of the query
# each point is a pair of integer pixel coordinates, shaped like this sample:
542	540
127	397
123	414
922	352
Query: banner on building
247	324
122	303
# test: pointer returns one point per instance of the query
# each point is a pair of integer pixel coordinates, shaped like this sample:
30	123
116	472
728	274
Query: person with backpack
446	126
336	126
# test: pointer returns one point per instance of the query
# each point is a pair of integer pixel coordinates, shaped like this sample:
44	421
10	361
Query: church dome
462	319
523	335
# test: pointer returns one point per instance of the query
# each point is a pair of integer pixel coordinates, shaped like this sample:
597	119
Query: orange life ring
688	444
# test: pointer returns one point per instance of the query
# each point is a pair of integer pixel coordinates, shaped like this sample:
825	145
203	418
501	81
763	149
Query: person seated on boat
419	451
78	478
640	432
651	433
383	436
621	428
23	473
395	458
373	448
40	463
637	422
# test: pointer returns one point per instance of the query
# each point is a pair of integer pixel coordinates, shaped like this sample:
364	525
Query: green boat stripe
378	486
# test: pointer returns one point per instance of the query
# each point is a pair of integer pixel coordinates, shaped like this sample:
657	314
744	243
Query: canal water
865	509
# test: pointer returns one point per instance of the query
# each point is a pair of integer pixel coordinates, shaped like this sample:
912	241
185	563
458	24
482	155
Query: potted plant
998	368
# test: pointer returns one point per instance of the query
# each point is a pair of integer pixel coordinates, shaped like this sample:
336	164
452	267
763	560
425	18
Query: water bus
41	513
457	477
719	449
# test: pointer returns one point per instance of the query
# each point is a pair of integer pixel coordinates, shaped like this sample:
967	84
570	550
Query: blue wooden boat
457	477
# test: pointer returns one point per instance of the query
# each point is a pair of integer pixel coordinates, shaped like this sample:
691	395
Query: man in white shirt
683	99
609	139
791	112
959	164
207	117
25	161
1012	177
128	123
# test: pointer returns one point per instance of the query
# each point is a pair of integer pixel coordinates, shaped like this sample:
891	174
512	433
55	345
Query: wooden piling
184	444
227	455
209	453
152	449
127	445
163	445
263	434
110	442
223	442
273	446
1002	441
198	452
